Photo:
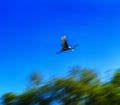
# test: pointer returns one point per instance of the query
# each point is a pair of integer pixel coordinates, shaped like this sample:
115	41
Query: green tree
81	87
9	98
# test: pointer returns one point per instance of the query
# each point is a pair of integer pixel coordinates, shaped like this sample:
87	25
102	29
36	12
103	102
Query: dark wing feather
64	42
58	52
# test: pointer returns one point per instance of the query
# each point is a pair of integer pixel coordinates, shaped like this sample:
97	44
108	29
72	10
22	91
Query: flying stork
65	46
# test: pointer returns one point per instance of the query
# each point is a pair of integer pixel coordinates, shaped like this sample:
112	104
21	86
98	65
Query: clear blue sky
30	33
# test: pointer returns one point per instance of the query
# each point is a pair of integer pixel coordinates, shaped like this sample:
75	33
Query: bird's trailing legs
75	46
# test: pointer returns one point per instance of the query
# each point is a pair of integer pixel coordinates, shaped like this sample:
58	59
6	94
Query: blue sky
30	33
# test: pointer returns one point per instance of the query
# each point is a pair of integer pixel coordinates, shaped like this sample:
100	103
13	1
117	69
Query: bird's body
65	46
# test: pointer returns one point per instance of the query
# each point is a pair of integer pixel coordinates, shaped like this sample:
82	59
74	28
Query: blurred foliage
81	87
35	79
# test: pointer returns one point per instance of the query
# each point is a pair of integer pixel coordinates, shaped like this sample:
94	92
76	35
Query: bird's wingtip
58	52
63	36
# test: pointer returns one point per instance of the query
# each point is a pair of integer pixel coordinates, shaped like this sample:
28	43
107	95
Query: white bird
65	46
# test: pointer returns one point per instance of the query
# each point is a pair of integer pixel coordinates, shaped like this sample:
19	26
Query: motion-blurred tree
35	79
81	87
9	98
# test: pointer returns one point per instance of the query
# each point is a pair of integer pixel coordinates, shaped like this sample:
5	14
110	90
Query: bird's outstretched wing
64	42
58	52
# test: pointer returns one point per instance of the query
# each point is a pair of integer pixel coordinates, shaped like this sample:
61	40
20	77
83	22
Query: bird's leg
75	46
